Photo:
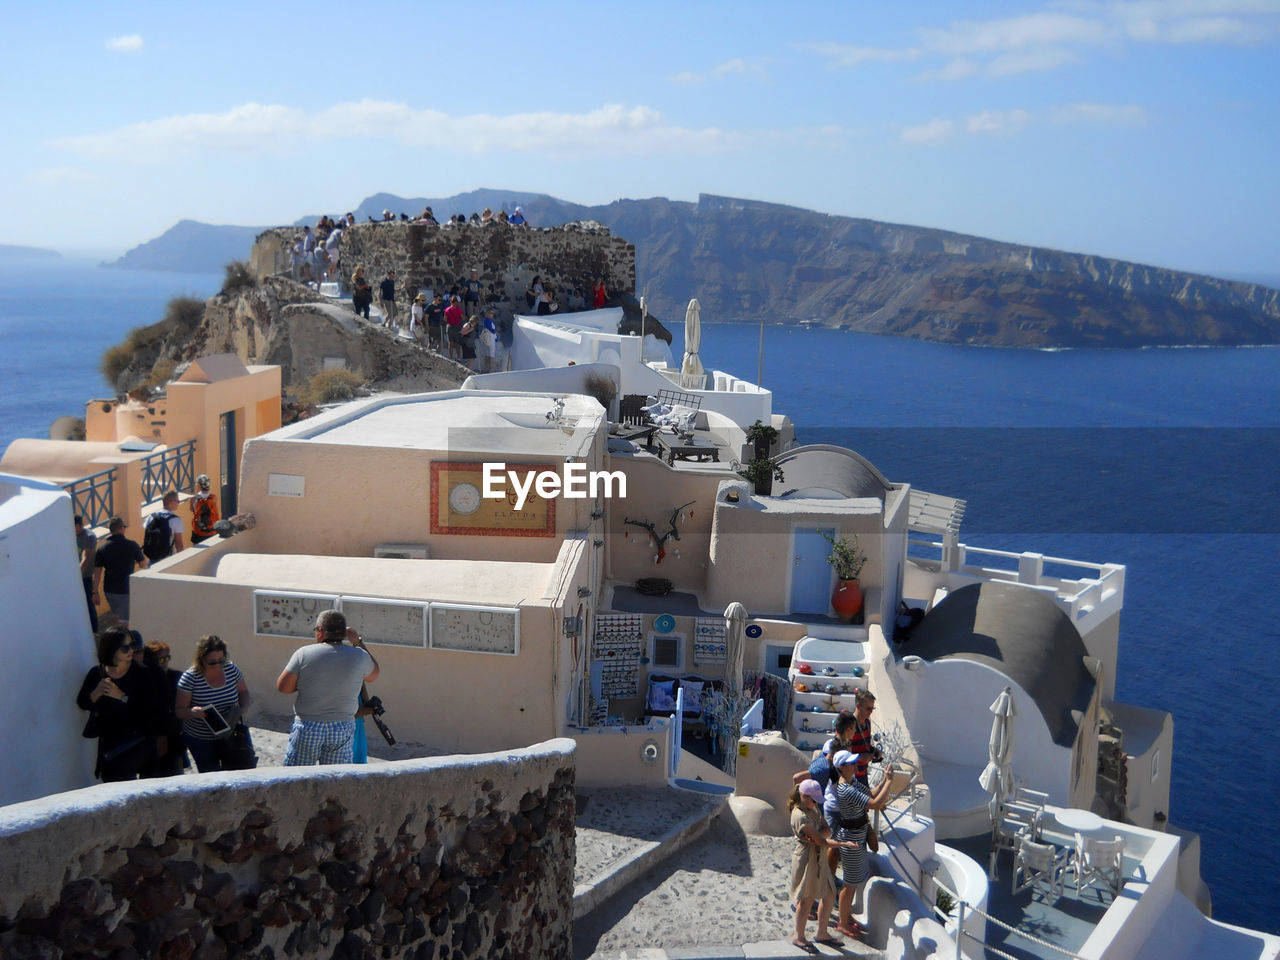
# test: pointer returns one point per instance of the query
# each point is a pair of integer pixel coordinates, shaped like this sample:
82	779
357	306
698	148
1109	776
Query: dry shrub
601	388
184	313
330	386
238	277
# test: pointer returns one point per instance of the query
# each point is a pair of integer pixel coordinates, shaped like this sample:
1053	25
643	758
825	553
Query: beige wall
445	699
194	410
746	541
653	491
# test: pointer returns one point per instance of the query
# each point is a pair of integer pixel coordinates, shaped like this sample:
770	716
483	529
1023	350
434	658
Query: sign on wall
402	623
475	629
458	504
280	614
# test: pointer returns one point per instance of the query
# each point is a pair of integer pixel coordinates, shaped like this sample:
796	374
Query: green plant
945	901
238	277
761	471
845	557
759	434
330	386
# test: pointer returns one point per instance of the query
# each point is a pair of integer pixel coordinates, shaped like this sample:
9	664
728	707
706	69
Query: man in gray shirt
326	676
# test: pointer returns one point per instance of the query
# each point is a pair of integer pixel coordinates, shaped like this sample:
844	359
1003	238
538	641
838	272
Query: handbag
235	751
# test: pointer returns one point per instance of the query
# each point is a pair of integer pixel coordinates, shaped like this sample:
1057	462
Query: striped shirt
226	698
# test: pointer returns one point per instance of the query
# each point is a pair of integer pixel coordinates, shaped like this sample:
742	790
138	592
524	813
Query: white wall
949	715
46	644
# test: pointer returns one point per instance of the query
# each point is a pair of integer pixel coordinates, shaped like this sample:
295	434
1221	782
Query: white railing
753	719
1100	592
677	732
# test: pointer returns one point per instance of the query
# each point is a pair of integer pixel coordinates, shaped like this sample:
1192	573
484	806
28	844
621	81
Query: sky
1142	130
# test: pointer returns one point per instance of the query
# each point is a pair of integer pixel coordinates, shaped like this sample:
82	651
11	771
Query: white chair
1033	798
1014	822
1099	861
1041	865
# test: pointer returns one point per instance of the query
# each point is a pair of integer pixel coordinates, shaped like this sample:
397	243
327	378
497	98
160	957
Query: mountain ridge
748	259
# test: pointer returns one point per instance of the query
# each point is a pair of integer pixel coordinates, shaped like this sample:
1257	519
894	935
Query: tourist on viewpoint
361	293
204	510
87	547
112	566
326	675
387	300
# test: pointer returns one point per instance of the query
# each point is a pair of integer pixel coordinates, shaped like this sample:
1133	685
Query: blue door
810	572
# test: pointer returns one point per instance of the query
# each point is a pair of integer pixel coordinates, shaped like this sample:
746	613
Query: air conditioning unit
401	551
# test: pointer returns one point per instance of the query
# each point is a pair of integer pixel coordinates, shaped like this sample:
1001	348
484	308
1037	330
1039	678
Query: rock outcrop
285	323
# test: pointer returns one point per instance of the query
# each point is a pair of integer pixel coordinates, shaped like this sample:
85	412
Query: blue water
1164	460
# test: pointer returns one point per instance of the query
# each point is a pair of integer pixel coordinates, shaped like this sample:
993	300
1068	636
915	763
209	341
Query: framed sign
281	614
475	629
401	623
458	504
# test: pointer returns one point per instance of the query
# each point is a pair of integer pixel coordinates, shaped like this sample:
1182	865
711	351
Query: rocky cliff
281	322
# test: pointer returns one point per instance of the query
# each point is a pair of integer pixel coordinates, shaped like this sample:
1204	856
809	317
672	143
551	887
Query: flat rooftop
506	582
473	421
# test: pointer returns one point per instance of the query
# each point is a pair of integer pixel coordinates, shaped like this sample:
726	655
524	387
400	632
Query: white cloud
1000	123
1111	114
271	128
1061	34
847	56
687	79
130	44
933	132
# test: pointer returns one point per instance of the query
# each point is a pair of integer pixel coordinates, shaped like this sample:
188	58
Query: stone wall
455	857
441	258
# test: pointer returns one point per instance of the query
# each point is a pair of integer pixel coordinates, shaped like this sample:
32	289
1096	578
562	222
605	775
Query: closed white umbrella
997	776
735	616
692	376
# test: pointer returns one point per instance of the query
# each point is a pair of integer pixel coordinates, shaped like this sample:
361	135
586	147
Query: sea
1165	460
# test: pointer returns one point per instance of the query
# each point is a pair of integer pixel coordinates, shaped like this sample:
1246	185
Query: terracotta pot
846	600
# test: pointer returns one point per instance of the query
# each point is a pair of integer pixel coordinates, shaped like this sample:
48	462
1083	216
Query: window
666	651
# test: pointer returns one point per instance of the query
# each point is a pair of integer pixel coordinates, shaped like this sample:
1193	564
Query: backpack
157	540
203	518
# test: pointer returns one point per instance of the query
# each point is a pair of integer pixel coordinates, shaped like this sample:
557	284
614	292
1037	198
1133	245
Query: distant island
747	260
190	247
11	250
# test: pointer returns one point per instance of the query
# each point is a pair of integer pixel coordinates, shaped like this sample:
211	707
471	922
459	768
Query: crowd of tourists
151	720
830	805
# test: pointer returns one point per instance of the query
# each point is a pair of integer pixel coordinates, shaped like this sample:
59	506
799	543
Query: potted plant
761	472
848	561
762	437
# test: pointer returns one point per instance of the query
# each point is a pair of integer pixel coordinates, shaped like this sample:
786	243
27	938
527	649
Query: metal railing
170	469
94	497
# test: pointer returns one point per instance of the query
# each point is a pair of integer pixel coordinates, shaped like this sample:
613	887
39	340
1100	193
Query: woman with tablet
211	701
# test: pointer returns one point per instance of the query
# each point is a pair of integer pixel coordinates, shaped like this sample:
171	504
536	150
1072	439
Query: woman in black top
125	711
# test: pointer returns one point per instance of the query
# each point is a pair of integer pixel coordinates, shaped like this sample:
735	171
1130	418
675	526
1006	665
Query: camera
375	706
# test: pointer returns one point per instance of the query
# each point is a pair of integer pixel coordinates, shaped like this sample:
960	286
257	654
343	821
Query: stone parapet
463	857
441	258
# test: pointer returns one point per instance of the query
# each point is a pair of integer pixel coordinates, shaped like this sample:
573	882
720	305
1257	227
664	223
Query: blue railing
170	469
94	497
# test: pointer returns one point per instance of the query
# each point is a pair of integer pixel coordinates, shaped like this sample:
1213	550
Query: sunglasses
130	645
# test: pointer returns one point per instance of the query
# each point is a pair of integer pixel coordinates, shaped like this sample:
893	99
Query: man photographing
326	676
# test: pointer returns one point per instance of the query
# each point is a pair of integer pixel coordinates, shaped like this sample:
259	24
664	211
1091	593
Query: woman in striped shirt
212	681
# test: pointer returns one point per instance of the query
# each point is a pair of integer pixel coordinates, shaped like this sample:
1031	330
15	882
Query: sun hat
843	758
811	789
